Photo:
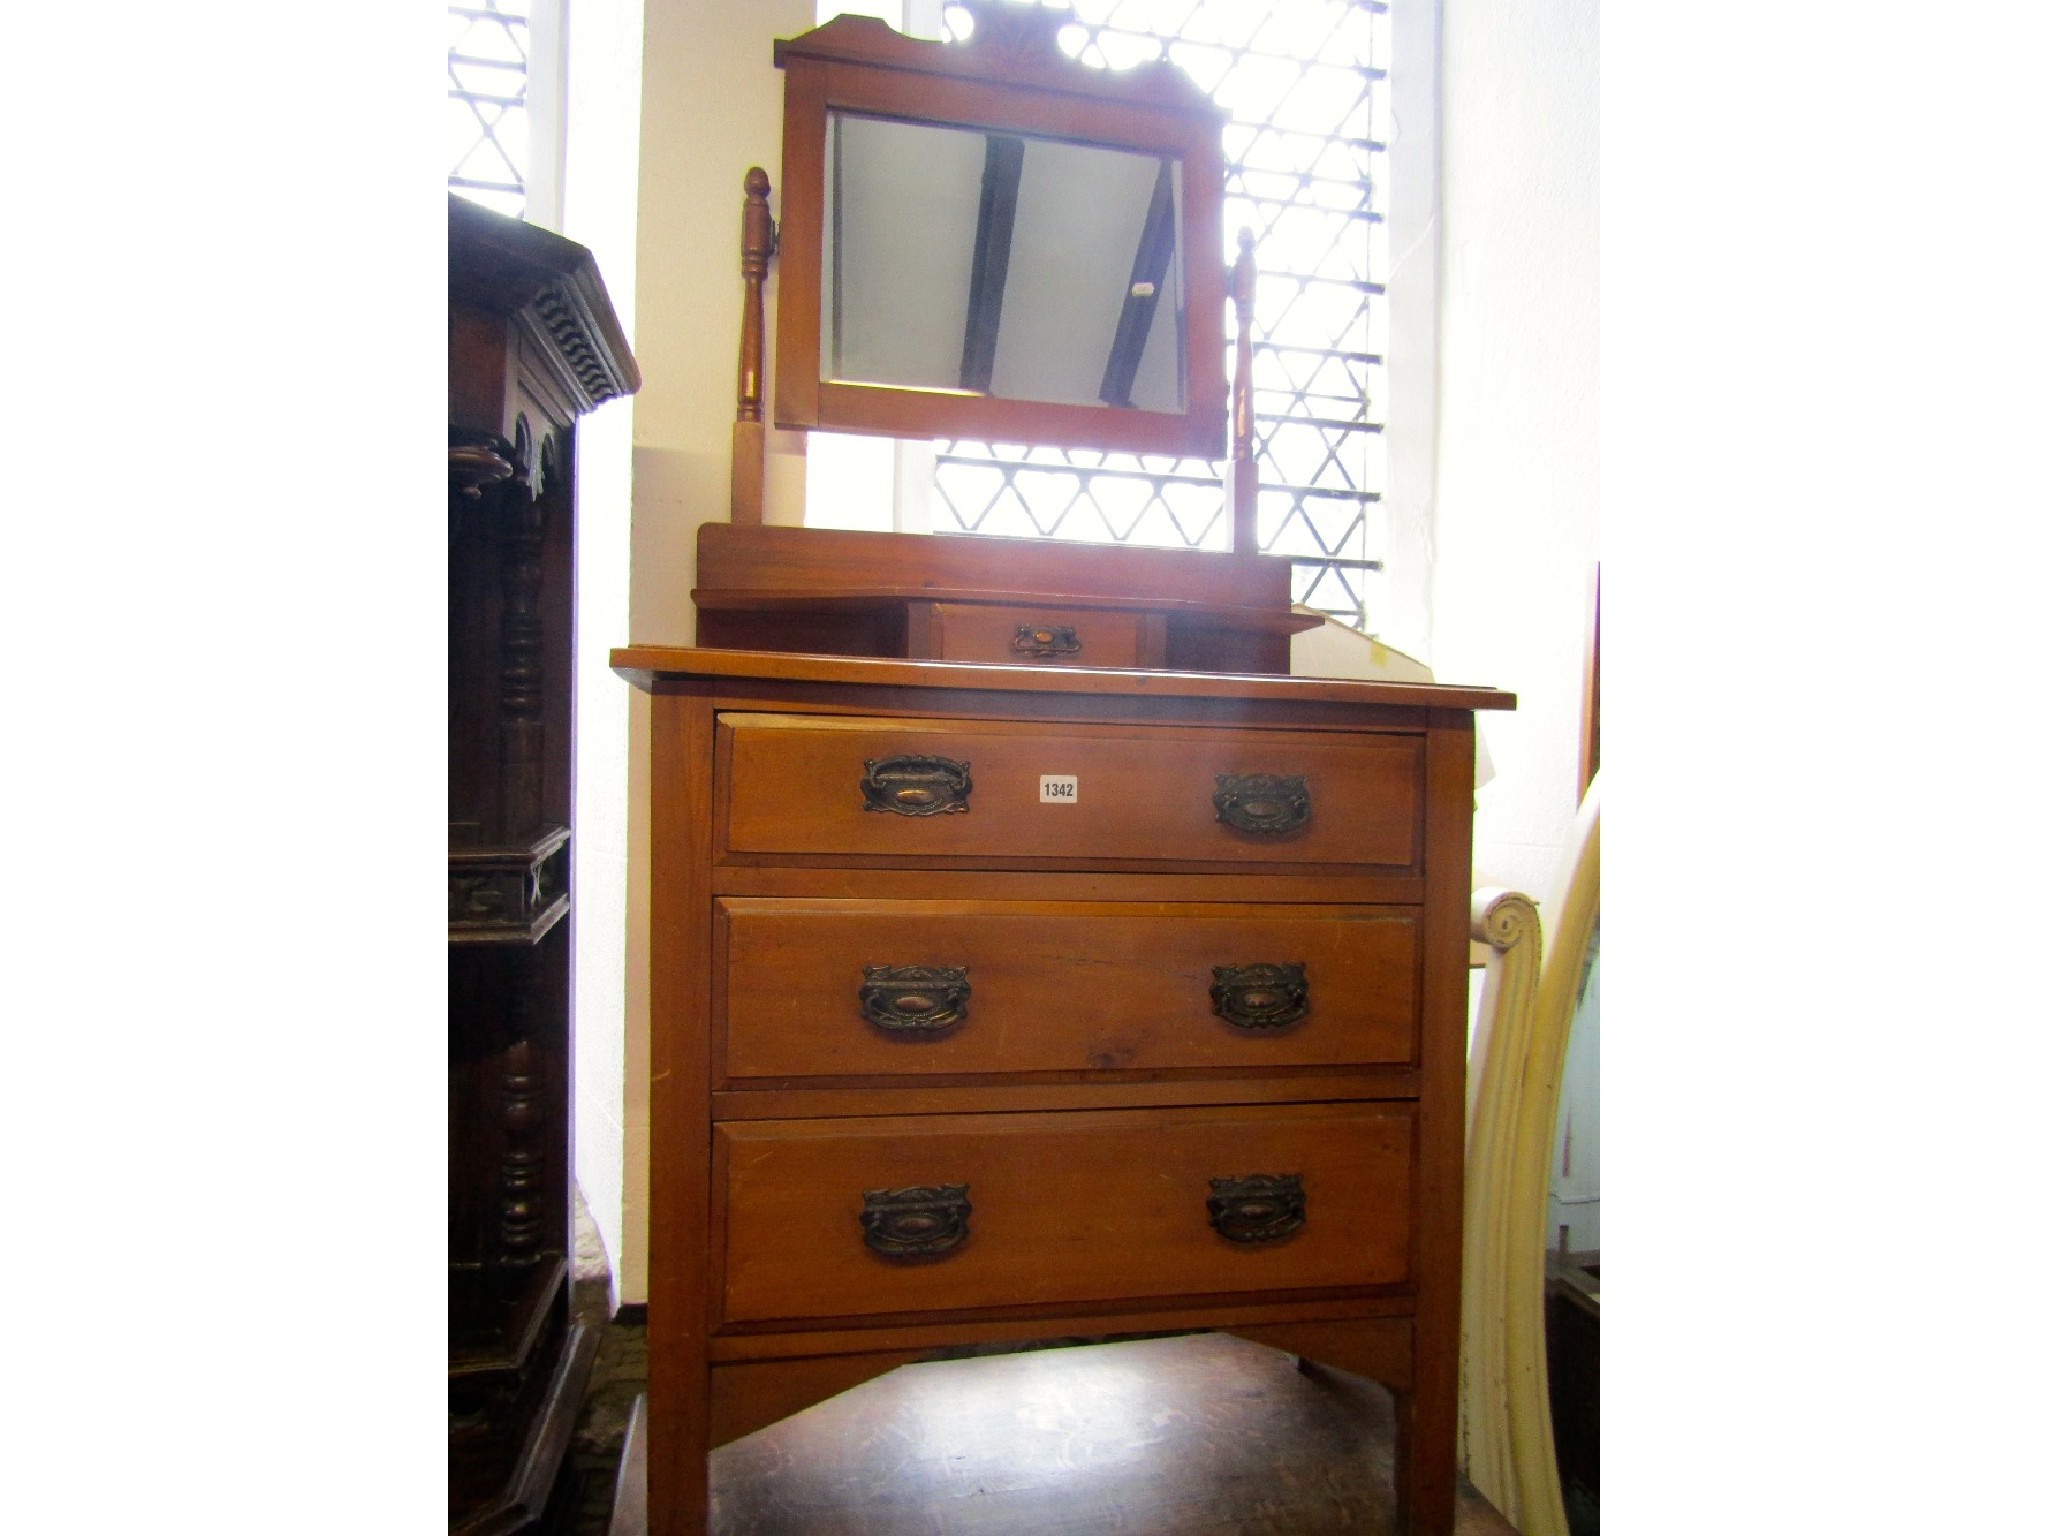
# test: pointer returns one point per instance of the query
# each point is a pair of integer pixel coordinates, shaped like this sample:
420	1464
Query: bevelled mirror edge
1014	265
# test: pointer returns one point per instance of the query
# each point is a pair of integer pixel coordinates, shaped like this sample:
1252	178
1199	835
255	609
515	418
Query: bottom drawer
936	1213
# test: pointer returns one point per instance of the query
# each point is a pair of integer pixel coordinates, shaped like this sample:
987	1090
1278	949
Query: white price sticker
1058	789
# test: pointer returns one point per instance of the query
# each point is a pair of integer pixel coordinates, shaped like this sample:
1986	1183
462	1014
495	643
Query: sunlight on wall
711	105
1516	525
850	482
600	201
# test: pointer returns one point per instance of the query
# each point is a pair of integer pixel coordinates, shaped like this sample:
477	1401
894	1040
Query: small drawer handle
914	999
1263	996
915	786
1257	1208
915	1223
1046	640
1267	804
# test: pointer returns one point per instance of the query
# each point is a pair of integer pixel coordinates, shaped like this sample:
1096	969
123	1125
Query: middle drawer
835	988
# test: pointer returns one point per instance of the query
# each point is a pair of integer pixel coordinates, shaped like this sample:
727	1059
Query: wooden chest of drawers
996	1003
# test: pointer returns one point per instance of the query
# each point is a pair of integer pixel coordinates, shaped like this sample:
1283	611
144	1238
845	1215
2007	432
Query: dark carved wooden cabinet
532	344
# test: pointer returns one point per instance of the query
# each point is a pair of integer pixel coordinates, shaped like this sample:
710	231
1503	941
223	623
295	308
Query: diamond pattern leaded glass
1305	85
487	121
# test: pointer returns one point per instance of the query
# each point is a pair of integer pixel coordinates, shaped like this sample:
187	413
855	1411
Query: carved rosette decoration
1260	997
493	897
508	895
1046	640
915	786
914	999
915	1223
1257	1208
1265	804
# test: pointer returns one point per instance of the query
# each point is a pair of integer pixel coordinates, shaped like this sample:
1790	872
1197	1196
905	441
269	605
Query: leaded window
1304	155
488	44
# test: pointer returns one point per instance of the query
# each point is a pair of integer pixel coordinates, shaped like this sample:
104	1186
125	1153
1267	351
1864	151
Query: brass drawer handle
915	786
915	1223
1046	640
1257	1208
914	999
1264	803
1260	996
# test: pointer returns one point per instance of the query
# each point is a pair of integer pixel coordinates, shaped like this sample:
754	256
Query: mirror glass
1001	264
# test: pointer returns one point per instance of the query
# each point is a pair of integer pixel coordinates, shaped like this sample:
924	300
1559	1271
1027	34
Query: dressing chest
995	1003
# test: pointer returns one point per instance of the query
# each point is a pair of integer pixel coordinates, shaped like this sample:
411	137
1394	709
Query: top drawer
1010	792
1035	637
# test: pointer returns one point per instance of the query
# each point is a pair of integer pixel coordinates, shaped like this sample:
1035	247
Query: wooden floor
1199	1436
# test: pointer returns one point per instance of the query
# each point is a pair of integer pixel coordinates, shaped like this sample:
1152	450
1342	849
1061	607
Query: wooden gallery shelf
834	592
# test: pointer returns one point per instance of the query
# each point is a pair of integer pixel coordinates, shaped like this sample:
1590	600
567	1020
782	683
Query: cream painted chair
1517	1062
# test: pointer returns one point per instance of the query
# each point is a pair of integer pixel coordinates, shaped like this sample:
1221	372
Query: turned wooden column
749	432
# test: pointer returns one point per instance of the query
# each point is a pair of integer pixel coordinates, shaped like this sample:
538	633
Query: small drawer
943	1213
1009	793
830	988
1037	637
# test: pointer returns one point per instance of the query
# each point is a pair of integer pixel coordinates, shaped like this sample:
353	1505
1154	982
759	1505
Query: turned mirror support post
749	433
1243	479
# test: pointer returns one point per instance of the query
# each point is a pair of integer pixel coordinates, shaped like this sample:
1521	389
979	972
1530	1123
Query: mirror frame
1009	77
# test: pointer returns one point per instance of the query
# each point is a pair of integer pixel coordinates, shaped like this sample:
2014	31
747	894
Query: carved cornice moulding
551	285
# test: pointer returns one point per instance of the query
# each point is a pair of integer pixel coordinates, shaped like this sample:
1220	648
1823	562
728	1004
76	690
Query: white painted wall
599	195
710	106
1398	601
1516	521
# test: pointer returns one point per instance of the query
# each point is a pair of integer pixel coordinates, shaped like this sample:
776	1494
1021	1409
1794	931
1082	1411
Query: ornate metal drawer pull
911	1223
1046	640
1258	1207
1260	996
915	786
914	999
1266	803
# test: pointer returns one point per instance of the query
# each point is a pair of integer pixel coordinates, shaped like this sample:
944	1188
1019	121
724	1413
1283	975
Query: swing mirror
990	240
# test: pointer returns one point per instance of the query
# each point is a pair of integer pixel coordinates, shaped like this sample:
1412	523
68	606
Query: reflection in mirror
1008	265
